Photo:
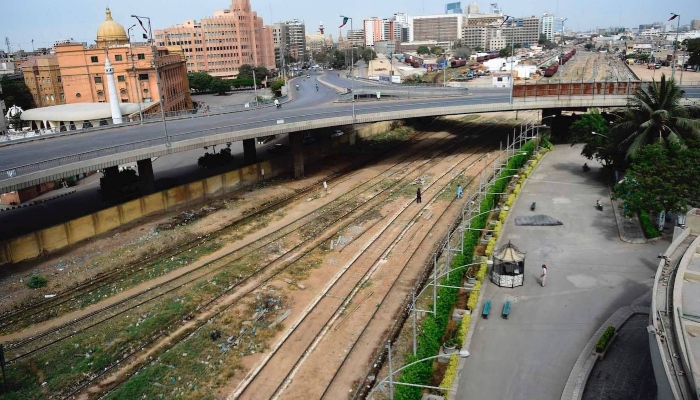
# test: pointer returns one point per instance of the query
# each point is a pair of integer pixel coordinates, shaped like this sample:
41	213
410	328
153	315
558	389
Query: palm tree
654	113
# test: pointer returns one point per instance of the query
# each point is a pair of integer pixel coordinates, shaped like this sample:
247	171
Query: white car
337	133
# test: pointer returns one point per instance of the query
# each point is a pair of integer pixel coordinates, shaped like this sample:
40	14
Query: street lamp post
675	44
352	65
133	70
512	54
161	98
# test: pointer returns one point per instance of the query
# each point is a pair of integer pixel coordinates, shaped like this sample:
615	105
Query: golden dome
111	31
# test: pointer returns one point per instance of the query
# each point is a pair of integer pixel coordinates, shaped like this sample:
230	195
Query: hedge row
433	326
605	339
650	230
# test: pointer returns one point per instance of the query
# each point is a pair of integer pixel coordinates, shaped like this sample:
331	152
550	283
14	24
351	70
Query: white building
473	8
547	26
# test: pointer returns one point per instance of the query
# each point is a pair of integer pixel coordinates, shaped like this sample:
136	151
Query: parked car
337	133
278	148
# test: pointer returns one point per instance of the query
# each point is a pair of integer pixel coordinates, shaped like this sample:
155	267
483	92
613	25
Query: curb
578	377
621	227
33	203
330	85
477	316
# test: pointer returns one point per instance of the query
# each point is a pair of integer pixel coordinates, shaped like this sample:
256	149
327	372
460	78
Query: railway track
174	284
248	389
46	308
212	315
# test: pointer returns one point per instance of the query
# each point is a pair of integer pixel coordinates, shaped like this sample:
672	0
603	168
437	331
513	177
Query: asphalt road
308	104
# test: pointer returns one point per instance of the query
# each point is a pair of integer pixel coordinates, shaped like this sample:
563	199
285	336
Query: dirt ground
589	66
645	74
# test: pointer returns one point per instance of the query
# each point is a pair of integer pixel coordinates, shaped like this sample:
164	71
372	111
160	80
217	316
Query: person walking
418	196
459	191
543	277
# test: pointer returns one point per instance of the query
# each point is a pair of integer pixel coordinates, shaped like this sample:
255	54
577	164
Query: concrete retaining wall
60	236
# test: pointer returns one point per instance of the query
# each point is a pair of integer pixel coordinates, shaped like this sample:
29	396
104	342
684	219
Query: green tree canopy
437	50
423	50
16	93
589	46
661	178
219	86
478	49
368	55
245	71
504	52
654	113
461	52
602	145
693	46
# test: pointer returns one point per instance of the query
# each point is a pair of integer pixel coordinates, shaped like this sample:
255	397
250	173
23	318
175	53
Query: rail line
223	260
105	279
246	384
203	320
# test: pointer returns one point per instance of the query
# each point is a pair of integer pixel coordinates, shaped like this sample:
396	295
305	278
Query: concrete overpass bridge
30	163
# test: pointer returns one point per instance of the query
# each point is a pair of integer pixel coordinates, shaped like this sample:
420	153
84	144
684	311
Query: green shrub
36	282
605	339
650	230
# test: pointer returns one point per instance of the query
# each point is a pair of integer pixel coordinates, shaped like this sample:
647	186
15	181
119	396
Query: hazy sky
48	21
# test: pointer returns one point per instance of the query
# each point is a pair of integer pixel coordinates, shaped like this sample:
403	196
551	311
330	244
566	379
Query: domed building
110	32
80	82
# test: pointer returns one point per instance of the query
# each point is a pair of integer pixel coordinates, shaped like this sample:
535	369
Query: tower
112	88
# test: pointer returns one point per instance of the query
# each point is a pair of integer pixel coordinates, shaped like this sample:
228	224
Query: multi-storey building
376	29
526	30
296	39
495	35
356	38
695	24
453	8
402	27
220	44
76	73
42	76
441	27
472	8
316	43
547	26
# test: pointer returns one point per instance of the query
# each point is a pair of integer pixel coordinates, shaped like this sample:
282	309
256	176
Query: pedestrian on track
418	196
459	191
543	277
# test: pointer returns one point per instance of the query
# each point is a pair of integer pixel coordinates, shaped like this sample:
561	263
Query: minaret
112	87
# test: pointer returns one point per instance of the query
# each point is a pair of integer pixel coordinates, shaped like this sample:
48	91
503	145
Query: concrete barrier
54	238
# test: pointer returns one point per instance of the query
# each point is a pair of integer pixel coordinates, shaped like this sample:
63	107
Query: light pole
161	98
133	70
352	64
512	54
675	44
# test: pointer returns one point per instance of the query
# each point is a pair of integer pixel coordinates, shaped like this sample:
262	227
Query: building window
63	96
141	56
145	90
143	77
77	95
118	57
123	91
125	100
121	78
59	79
98	79
93	59
100	93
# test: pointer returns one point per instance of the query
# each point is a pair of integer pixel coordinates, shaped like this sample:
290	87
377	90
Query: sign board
280	121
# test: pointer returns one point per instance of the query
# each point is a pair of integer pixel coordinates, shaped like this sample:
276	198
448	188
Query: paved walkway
630	228
591	274
626	372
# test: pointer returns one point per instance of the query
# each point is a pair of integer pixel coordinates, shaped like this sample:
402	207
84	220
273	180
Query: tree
478	49
504	52
693	46
368	55
423	50
199	81
276	87
16	93
437	50
16	122
654	113
219	86
245	71
589	46
661	178
601	146
261	73
461	52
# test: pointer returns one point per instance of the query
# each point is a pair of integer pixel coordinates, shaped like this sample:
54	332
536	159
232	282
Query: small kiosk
508	266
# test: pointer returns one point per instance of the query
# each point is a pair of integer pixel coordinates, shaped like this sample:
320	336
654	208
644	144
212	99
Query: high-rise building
220	44
547	26
402	27
442	27
296	38
525	30
316	43
76	73
695	24
453	8
472	8
495	9
377	29
355	38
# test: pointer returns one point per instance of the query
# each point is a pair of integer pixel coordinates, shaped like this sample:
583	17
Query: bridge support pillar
147	181
295	138
249	153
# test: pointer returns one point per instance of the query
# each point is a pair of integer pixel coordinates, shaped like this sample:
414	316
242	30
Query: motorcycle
278	105
586	168
297	87
599	205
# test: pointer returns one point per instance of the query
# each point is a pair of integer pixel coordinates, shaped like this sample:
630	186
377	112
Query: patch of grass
301	268
469	118
37	281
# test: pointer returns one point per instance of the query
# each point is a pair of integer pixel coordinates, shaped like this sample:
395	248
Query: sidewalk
629	227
